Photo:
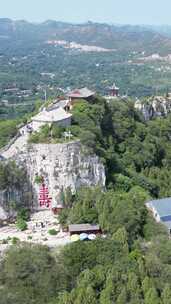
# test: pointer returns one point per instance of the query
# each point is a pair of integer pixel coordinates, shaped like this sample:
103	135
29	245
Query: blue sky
112	11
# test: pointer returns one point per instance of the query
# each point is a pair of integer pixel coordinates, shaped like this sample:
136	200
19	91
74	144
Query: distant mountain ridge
126	37
162	29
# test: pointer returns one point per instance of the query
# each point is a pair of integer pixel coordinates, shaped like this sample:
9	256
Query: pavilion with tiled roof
83	93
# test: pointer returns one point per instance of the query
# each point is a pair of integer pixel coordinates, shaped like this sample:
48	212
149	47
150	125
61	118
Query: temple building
58	116
113	91
83	93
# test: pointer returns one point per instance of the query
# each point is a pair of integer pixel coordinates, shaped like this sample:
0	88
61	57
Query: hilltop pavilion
83	93
58	116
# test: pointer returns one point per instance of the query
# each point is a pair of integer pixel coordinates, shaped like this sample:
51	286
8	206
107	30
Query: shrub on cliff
21	224
38	179
53	232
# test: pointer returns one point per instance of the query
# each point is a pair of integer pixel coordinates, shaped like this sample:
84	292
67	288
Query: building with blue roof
161	210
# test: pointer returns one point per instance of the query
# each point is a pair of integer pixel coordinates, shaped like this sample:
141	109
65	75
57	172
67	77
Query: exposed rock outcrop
6	211
12	199
63	166
154	107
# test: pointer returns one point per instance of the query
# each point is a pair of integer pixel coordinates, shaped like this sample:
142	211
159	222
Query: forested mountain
132	263
135	38
162	29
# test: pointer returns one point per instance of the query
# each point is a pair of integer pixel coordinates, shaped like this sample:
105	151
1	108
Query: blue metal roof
162	206
166	218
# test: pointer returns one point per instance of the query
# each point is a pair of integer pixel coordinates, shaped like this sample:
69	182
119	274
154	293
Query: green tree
21	224
84	295
166	295
122	298
152	297
121	236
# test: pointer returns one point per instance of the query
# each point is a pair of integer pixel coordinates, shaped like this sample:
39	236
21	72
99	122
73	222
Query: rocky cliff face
7	200
13	199
62	166
154	107
6	212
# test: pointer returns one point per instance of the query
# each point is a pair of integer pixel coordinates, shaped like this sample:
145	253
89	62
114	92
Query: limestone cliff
154	107
13	199
6	212
63	166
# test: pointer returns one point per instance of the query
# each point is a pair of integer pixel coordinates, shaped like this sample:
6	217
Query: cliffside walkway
17	146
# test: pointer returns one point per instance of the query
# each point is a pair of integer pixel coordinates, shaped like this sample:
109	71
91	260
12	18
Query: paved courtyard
38	231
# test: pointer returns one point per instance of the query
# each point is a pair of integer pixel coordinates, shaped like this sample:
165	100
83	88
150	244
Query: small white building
58	116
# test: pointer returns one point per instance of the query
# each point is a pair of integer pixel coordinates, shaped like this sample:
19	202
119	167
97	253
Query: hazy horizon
132	12
85	22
